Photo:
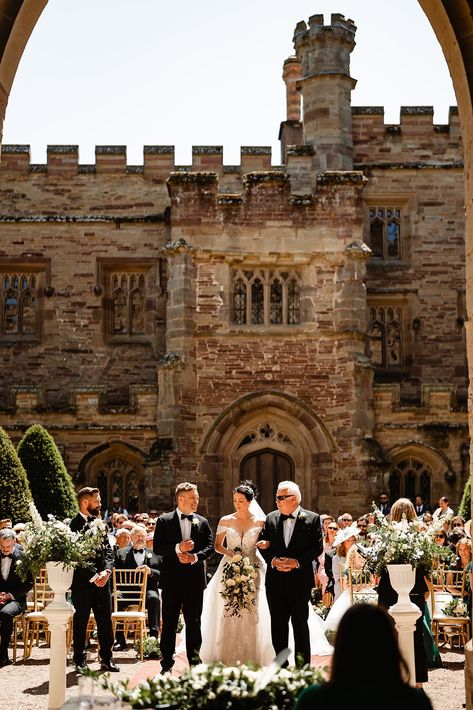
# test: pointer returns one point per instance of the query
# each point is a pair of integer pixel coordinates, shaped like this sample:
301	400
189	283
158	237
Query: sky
203	72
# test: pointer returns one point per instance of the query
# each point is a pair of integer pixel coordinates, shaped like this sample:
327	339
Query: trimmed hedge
15	494
50	482
465	506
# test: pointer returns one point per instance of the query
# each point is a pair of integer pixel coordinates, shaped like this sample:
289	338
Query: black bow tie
189	517
286	517
10	556
136	551
90	518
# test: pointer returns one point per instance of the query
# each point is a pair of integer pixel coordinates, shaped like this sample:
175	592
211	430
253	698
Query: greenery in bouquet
238	584
405	542
218	687
52	540
456	607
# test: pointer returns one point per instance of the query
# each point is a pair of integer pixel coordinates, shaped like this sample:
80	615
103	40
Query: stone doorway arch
116	469
273	421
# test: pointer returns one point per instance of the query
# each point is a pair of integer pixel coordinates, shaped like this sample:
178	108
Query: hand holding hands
145	568
102	578
263	544
284	564
186	545
186	558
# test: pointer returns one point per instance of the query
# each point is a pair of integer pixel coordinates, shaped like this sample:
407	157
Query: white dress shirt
288	525
139	557
186	527
6	566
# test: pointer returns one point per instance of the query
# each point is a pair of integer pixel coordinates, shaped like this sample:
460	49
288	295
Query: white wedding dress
232	639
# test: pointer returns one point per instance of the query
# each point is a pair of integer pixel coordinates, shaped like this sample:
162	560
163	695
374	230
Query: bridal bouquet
238	584
404	542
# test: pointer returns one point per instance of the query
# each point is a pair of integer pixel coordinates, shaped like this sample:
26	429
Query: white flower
230	582
237	558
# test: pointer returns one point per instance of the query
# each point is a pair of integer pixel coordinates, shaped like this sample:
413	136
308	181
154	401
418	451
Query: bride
231	639
247	637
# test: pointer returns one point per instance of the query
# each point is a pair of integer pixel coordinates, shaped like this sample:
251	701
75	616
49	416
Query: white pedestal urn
58	613
404	612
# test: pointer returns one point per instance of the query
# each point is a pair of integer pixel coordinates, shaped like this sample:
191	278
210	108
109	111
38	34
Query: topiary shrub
15	494
465	506
50	482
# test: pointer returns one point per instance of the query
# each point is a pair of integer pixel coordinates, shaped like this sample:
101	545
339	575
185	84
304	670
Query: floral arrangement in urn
52	540
216	686
238	584
404	542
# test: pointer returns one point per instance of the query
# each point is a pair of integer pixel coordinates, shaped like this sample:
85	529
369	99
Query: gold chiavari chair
129	598
446	628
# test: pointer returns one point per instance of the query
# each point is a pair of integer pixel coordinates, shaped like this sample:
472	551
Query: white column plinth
405	625
58	618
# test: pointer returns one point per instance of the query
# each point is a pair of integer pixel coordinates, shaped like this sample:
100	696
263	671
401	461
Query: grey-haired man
12	590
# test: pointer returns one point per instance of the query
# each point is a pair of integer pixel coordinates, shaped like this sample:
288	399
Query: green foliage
51	485
218	687
54	541
15	494
151	647
465	506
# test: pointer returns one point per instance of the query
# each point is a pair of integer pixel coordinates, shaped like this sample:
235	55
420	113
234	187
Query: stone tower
326	84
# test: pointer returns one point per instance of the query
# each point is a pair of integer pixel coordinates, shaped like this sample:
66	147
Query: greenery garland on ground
218	687
50	482
15	494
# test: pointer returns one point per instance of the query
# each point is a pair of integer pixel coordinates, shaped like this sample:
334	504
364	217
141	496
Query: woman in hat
346	558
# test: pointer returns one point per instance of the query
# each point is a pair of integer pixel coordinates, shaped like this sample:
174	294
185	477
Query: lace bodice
246	541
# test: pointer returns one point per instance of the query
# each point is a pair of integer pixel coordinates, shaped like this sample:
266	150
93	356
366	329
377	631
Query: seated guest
6	523
380	672
420	506
137	556
12	590
122	539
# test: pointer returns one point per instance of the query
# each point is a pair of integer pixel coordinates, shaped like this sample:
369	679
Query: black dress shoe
80	667
5	662
109	667
119	646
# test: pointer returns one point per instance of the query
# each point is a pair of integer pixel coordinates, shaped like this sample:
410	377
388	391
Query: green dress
359	697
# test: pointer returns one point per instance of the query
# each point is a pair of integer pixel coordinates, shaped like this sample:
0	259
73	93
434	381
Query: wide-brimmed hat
467	528
345	534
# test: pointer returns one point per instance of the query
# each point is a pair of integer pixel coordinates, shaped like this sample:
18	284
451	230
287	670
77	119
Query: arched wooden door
266	468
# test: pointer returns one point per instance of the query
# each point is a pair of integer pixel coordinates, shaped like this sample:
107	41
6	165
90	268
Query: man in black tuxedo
137	556
91	589
421	506
290	539
184	540
384	506
12	590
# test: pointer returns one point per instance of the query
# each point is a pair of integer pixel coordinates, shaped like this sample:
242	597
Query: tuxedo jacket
305	546
125	559
103	559
424	508
13	584
167	535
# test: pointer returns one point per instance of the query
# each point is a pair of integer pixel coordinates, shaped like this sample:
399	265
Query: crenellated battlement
415	139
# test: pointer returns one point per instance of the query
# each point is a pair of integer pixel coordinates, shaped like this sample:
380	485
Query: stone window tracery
385	232
128	302
117	477
265	433
266	297
410	477
384	332
19	313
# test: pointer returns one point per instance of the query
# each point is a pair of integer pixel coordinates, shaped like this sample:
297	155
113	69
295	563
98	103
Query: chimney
290	132
326	85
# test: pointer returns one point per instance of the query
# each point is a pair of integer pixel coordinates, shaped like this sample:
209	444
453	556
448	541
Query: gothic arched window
384	333
264	297
385	232
409	477
19	305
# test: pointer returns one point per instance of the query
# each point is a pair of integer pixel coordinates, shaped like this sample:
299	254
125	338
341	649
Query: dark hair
247	489
382	657
87	492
